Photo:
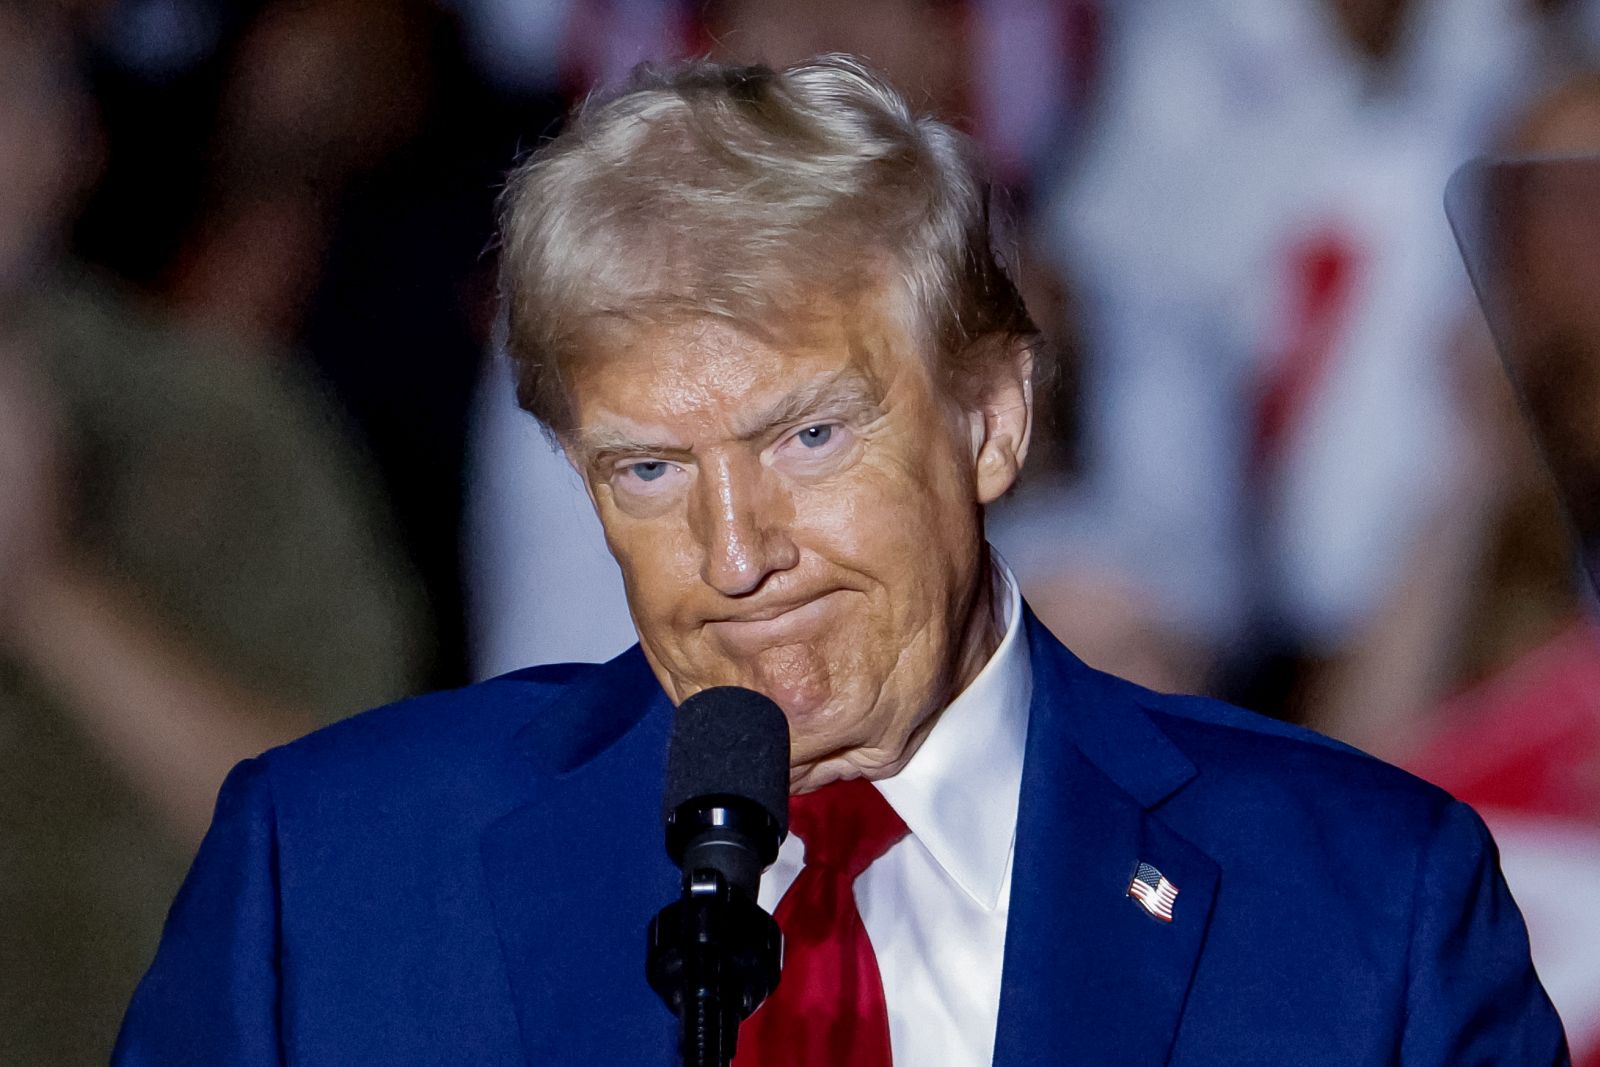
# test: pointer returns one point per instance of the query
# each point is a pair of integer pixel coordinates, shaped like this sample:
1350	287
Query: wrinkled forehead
691	366
860	314
786	287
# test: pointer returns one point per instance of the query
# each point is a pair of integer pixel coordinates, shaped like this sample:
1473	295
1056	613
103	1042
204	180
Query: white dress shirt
935	904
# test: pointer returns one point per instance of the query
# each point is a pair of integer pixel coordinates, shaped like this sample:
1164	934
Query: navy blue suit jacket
465	879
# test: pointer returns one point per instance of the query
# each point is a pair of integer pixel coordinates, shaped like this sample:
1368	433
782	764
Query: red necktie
828	1010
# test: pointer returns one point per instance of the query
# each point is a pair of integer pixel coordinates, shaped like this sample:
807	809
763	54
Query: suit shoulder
1272	801
1242	749
454	729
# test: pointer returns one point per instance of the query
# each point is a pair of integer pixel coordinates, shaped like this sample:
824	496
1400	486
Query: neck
983	631
980	639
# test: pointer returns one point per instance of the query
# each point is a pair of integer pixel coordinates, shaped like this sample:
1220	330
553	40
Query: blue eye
648	471
815	436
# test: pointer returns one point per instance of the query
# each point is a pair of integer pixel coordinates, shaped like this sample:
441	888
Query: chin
807	705
822	731
798	677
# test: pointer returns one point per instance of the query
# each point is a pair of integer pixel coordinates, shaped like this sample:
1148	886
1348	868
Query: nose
743	525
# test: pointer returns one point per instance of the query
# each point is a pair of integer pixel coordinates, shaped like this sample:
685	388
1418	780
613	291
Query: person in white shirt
1270	295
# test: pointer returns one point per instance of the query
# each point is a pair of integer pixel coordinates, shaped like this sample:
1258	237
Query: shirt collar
958	795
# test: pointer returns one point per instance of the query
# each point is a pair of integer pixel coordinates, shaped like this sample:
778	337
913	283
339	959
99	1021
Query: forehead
706	370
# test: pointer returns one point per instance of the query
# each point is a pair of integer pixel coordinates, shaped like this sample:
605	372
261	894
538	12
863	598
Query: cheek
893	520
656	559
927	490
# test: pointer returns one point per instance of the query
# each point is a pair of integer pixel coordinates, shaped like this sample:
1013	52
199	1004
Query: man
761	315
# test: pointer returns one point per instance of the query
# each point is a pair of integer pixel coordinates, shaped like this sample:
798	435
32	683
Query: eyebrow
596	445
843	394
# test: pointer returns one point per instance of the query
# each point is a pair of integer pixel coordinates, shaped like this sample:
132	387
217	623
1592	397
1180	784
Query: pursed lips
787	623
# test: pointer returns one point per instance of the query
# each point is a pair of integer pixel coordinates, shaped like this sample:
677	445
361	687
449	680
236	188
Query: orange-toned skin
802	516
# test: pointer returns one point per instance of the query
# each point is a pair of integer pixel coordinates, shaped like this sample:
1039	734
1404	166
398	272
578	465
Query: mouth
788	623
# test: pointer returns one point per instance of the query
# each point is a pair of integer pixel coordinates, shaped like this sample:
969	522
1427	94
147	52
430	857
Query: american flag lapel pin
1153	892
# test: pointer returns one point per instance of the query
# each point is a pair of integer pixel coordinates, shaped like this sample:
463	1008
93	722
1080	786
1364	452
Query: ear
1001	423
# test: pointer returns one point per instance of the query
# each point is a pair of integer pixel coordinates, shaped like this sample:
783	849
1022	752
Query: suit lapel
577	870
1090	977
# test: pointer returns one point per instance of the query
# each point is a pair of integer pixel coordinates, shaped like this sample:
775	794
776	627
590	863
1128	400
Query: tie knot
845	825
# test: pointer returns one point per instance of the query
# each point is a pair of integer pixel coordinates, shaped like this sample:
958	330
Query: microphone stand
714	955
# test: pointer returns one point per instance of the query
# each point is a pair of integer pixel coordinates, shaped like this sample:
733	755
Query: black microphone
714	955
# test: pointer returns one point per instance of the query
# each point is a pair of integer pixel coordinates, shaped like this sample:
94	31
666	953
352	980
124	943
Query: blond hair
743	192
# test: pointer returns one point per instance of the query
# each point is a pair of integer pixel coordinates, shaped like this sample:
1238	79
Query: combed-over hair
743	192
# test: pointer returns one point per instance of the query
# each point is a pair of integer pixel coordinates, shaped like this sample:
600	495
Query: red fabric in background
1529	738
1323	268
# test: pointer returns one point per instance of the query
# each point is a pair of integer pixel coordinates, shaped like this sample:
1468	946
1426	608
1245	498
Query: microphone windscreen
730	740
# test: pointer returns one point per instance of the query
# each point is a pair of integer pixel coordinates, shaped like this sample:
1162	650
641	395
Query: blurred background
260	465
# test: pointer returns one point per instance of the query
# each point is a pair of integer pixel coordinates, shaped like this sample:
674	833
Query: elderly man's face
801	517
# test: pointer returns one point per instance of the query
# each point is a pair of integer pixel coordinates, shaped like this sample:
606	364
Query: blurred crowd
261	465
